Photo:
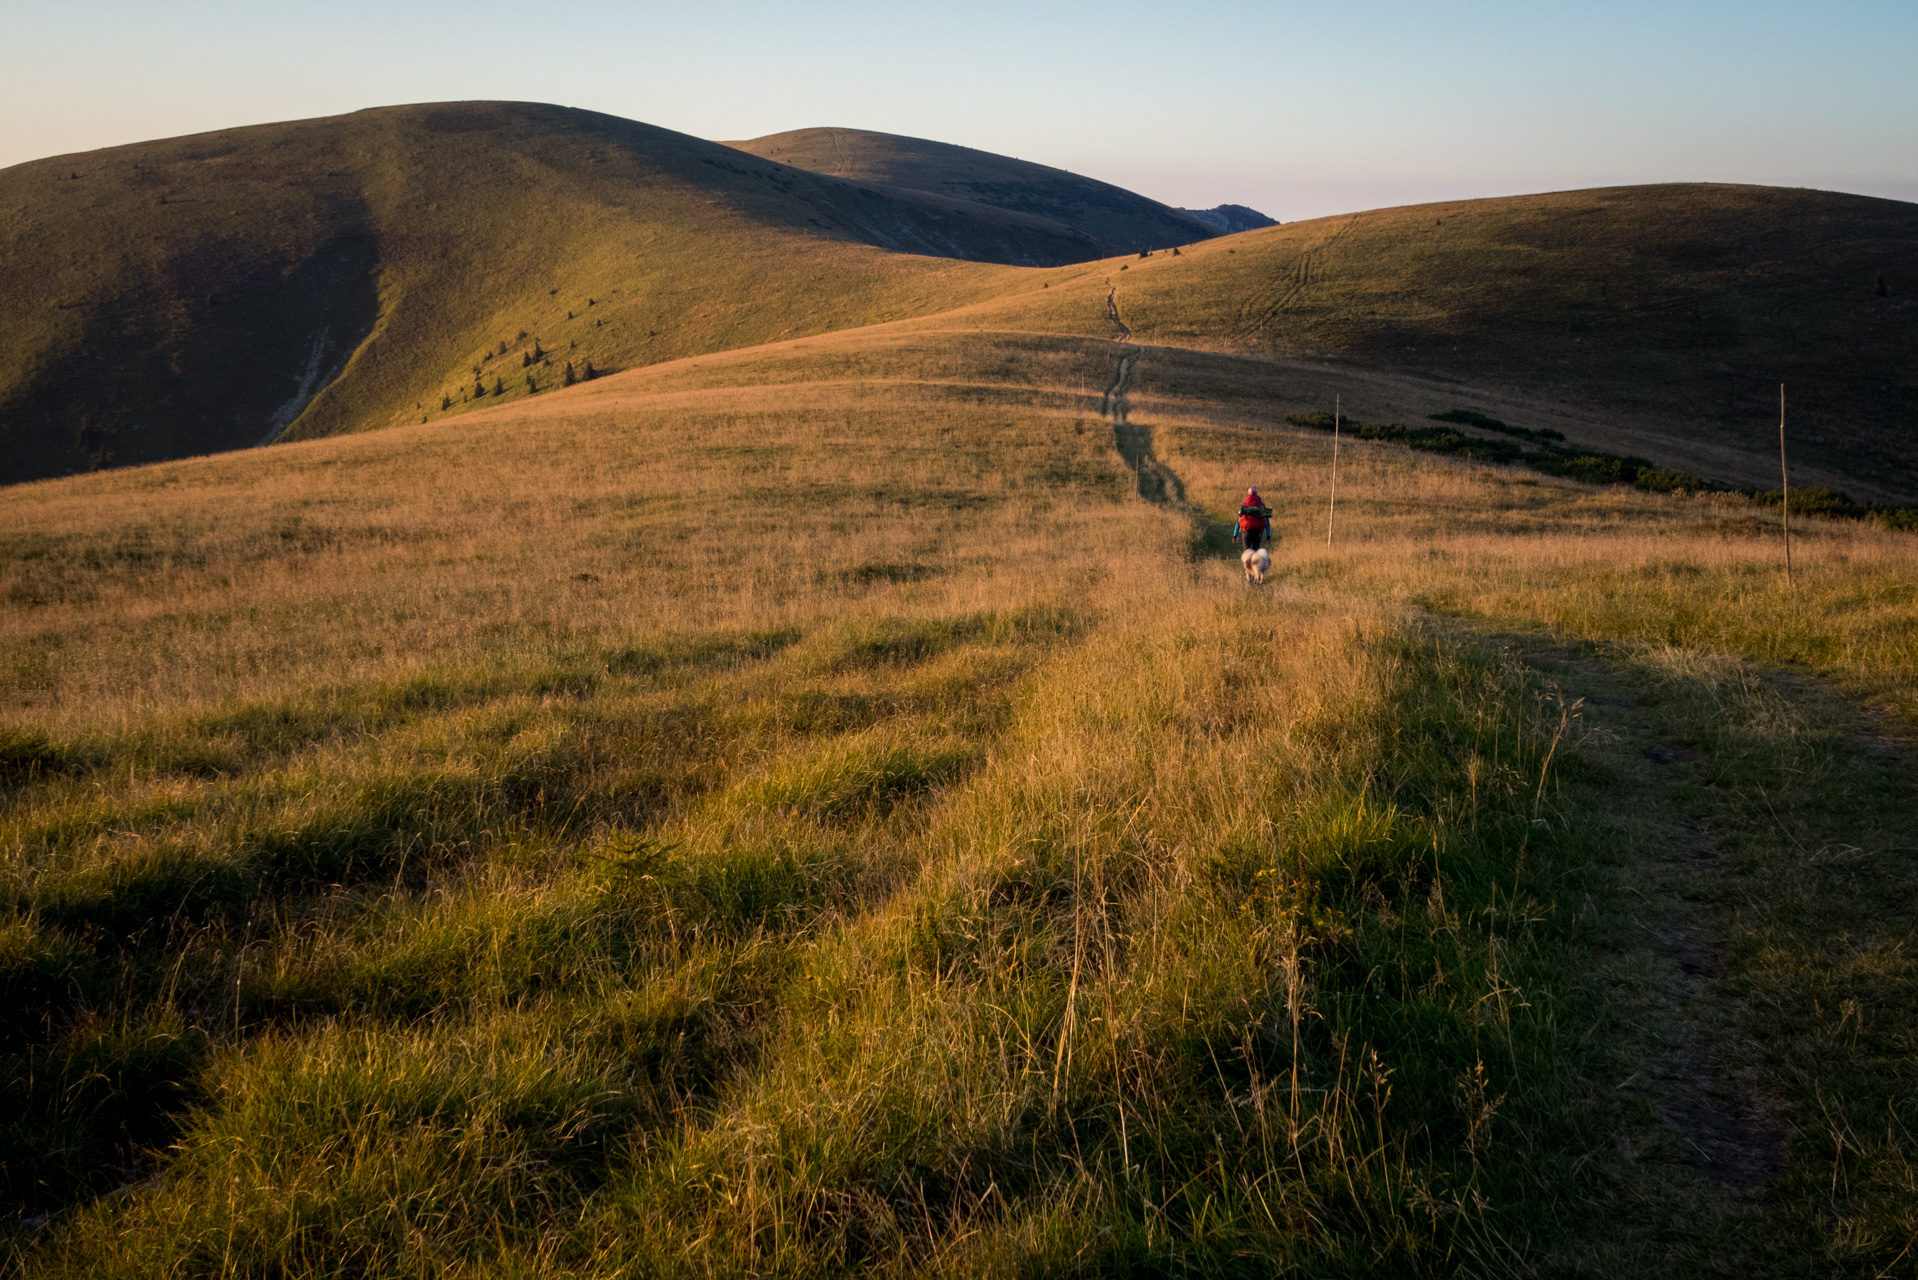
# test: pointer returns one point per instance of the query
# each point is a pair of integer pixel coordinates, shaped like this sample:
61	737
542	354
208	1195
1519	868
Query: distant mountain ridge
1230	219
1111	219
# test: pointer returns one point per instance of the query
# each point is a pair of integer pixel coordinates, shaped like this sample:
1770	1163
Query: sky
1297	109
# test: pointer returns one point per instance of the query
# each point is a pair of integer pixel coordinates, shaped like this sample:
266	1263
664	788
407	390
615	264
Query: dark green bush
1813	502
1659	481
1485	422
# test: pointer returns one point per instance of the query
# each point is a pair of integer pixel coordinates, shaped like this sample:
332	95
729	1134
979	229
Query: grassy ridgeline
1657	320
714	823
402	264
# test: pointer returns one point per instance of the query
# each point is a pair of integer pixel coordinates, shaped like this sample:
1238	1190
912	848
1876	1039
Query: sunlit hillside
211	292
416	263
838	808
1661	318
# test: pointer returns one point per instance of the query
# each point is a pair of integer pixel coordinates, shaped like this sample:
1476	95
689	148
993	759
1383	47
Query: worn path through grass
1744	926
939	896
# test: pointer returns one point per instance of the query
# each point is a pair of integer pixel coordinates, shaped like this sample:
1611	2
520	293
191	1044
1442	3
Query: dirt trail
1699	1141
1112	311
1156	482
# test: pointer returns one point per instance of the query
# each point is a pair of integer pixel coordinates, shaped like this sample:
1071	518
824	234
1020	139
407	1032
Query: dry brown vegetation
800	812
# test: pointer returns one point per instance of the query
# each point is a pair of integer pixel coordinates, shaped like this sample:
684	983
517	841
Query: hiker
1255	521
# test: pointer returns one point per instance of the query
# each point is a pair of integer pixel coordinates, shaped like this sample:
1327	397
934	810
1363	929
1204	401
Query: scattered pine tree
531	386
539	353
525	359
446	402
591	372
569	377
479	389
499	387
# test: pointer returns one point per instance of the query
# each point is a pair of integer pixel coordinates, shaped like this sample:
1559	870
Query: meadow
803	811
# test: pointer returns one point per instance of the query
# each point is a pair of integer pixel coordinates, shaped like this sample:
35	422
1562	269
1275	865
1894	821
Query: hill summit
212	292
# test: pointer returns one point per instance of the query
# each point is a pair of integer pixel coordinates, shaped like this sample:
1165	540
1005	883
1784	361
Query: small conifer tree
531	386
569	377
591	372
525	359
539	353
499	387
479	389
446	402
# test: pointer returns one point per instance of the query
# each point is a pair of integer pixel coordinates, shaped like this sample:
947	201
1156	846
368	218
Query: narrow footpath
1156	482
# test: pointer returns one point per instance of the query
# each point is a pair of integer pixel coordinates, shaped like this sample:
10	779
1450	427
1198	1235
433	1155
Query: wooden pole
1784	478
1332	511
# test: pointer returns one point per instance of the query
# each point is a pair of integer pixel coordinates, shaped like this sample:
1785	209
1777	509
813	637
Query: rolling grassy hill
414	263
202	293
483	845
1110	219
1661	317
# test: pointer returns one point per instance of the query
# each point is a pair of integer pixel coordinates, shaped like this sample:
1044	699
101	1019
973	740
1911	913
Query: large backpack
1263	513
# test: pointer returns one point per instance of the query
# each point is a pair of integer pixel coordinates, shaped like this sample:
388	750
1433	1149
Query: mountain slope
202	293
1227	219
1679	308
1112	219
453	847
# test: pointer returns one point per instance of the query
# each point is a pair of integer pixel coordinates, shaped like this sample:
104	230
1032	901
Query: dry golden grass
1705	572
798	812
595	516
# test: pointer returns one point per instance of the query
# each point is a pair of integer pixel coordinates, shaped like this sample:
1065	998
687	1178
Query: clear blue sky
1298	109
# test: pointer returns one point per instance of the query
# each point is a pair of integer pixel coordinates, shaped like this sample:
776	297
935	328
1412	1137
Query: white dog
1257	565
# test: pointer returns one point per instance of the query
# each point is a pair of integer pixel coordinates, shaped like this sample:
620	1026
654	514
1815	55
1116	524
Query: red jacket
1248	523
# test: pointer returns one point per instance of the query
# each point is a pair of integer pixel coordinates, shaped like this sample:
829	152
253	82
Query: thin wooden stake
1332	511
1784	476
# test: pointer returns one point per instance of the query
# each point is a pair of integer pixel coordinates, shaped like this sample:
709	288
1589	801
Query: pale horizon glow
1297	110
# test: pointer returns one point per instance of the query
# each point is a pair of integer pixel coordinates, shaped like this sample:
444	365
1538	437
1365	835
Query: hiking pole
1784	477
1332	511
